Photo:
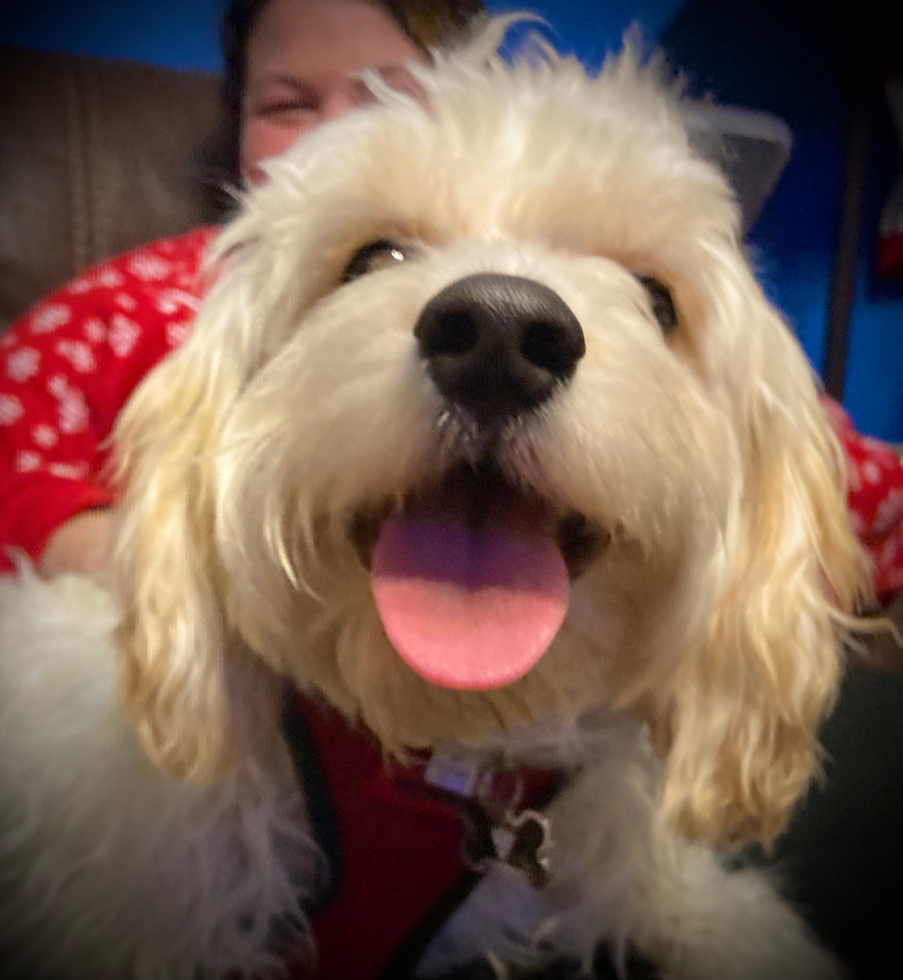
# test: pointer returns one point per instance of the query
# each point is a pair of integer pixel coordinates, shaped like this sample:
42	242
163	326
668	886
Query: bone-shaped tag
522	842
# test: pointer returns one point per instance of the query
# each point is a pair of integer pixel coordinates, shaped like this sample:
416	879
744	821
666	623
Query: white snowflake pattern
871	472
149	267
123	335
23	364
27	461
176	334
57	385
78	354
44	436
73	413
125	301
10	409
48	318
81	286
170	301
110	278
69	471
95	330
73	409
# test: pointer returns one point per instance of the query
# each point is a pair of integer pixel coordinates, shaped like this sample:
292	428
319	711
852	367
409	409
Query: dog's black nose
498	345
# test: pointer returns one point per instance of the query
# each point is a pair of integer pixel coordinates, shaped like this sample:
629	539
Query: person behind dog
68	366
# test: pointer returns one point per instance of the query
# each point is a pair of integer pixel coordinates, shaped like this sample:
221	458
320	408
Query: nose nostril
545	345
454	334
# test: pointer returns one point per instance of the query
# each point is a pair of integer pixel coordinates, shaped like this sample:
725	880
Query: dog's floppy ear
199	702
747	705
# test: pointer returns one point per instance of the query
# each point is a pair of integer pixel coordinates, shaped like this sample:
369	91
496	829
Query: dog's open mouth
471	576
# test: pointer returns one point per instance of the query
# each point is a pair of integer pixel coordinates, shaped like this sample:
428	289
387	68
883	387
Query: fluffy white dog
486	436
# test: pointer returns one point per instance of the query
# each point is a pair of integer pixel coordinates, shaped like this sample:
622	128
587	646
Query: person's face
302	57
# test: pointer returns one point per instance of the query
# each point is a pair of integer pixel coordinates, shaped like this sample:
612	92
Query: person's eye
282	107
375	256
401	79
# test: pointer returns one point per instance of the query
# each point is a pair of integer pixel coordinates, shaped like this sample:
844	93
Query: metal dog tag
522	842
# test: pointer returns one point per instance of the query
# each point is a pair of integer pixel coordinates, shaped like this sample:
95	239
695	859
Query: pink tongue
466	609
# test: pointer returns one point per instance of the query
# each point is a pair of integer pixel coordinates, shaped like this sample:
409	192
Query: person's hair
427	23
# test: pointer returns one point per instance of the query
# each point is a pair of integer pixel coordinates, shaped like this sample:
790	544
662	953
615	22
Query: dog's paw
749	932
705	922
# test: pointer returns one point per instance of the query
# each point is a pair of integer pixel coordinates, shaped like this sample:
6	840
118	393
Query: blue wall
764	54
790	58
183	33
173	33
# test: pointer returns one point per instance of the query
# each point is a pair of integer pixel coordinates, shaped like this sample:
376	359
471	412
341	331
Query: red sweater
66	370
68	367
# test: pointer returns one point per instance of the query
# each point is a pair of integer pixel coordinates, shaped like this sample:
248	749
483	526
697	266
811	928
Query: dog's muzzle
470	572
497	346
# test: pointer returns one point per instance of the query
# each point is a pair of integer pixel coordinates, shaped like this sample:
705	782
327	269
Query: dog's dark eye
662	303
373	257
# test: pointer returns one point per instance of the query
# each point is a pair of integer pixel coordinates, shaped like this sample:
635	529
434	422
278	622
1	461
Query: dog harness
405	844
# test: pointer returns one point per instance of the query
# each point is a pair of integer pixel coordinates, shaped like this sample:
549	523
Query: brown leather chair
96	157
99	156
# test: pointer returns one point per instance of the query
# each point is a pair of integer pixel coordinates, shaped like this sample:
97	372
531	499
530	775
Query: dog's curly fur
700	648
